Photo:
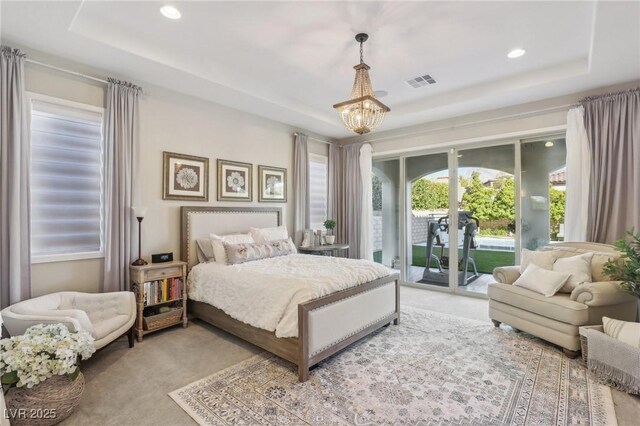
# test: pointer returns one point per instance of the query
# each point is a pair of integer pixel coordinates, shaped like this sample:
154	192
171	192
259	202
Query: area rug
432	369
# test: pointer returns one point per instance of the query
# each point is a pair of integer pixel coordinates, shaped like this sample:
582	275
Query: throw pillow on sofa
543	259
578	266
541	280
627	332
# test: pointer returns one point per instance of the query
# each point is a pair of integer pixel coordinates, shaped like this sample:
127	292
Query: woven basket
162	320
45	404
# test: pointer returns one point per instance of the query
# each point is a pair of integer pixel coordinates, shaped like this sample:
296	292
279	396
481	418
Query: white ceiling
291	61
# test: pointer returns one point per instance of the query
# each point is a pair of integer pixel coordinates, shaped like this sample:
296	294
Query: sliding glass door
446	219
486	214
386	212
427	183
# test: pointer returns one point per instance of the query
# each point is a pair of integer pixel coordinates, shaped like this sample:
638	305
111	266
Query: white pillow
265	235
627	332
578	266
541	280
543	259
217	241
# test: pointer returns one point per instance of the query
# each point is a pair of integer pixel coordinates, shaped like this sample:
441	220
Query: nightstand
324	250
161	296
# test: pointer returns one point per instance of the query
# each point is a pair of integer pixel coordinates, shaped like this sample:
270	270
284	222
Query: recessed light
516	53
548	144
170	12
380	93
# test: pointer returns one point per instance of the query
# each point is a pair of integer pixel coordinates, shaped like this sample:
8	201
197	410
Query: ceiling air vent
423	80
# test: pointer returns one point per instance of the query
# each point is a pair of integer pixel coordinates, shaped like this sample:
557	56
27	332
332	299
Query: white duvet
266	293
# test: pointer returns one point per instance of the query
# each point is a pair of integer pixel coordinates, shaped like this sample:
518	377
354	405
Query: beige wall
169	122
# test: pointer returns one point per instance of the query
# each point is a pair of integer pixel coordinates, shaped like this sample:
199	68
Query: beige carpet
433	369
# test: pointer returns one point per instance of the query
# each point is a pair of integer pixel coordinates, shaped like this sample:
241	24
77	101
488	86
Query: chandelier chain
361	55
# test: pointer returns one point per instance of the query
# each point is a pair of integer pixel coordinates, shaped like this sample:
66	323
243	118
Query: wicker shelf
155	272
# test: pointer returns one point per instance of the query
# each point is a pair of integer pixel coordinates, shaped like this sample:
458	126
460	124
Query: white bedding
266	293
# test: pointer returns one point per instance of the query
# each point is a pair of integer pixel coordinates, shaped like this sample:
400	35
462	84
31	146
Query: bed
325	325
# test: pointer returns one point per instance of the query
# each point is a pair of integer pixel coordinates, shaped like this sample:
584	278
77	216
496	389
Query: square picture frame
235	181
185	177
272	184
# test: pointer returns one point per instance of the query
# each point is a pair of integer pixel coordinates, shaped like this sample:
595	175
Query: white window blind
66	180
318	190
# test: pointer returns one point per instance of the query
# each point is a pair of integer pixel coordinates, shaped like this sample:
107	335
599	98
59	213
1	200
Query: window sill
68	257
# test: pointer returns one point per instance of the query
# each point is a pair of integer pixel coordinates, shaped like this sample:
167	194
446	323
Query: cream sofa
557	318
106	316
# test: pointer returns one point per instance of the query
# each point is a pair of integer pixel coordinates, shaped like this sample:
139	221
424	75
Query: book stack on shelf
162	303
162	291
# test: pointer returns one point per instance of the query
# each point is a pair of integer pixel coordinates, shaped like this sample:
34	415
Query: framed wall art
272	184
185	177
235	181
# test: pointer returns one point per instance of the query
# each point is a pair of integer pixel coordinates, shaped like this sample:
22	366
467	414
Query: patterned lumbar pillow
578	266
217	242
541	280
241	253
627	332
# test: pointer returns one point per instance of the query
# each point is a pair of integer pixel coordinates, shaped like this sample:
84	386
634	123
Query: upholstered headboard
199	222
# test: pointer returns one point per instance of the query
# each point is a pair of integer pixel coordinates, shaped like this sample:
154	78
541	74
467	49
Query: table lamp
139	213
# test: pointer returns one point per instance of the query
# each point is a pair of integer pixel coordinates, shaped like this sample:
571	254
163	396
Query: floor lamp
139	213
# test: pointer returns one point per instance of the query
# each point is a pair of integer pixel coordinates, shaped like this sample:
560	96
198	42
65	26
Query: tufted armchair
106	316
557	318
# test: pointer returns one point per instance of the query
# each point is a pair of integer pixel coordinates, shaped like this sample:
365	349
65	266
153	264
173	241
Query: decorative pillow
543	259
541	280
264	235
204	250
218	241
597	262
578	266
241	253
627	332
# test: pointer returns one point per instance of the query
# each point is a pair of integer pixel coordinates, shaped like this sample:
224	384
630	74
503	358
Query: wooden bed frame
321	322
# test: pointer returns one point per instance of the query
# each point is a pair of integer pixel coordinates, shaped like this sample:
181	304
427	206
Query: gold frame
166	156
220	163
261	182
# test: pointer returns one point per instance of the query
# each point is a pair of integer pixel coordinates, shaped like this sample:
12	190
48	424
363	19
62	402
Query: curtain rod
77	74
317	140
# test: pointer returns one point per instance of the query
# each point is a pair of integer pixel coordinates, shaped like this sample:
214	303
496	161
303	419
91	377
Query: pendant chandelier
363	112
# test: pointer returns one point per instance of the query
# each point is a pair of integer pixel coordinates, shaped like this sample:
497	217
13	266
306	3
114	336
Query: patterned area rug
432	369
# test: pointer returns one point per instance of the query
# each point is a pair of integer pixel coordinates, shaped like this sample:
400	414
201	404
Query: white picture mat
244	171
280	185
172	167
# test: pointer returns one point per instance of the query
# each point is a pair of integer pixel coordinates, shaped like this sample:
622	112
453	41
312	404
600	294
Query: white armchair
106	316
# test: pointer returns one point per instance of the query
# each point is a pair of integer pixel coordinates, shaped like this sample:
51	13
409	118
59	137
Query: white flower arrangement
42	352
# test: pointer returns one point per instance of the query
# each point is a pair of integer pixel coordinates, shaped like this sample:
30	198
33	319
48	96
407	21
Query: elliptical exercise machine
469	226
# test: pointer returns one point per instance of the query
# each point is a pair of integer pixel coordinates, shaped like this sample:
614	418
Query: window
317	190
66	180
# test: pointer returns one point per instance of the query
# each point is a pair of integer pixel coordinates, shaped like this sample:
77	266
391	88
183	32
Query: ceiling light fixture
516	53
363	112
170	12
548	144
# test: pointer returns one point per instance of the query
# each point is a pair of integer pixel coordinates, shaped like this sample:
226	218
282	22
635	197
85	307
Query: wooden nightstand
159	285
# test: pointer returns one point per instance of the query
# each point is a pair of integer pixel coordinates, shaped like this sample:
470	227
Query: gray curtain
613	128
334	205
302	213
352	198
121	169
15	251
